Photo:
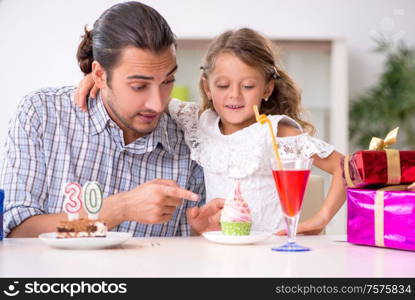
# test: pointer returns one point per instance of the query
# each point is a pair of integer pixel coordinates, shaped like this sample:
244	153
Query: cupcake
236	215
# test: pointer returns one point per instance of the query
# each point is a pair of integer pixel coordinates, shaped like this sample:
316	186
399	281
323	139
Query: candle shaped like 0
73	202
92	198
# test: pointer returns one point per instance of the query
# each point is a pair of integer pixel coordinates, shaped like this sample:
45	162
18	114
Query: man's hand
207	217
155	201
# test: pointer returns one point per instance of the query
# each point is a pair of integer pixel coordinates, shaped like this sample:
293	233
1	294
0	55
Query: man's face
139	90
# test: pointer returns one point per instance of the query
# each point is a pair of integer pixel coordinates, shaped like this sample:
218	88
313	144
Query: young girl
241	70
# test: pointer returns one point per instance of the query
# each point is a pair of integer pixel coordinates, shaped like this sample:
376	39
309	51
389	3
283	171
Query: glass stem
292	223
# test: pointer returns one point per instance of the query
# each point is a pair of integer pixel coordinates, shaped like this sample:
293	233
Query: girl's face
234	88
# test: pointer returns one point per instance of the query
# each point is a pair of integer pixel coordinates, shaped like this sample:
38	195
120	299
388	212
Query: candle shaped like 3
73	202
92	198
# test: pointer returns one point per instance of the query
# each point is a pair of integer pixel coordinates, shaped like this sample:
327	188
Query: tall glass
291	183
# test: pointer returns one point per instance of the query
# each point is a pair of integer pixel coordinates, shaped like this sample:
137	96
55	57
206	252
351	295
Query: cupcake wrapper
236	228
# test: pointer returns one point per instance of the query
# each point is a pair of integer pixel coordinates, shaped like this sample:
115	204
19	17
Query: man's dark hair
125	24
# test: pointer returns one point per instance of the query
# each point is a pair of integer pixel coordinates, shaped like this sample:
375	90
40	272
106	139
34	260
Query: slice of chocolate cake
81	228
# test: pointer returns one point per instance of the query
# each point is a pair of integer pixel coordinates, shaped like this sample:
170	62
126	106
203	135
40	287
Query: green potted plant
390	103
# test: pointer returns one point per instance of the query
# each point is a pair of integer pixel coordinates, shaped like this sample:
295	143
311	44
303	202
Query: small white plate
219	237
112	239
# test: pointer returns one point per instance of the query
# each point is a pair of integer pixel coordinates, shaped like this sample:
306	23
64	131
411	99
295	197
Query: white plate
112	239
219	237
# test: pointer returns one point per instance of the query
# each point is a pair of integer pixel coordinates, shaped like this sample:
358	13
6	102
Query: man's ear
206	88
99	75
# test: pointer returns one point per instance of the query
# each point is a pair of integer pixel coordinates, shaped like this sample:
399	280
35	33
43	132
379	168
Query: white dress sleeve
302	145
306	146
186	115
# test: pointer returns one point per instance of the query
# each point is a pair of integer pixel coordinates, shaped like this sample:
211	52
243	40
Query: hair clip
276	75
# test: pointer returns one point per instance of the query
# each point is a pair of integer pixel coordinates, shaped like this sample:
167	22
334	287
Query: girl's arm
336	195
85	89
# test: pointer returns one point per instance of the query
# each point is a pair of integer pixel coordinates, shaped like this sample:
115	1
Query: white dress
244	155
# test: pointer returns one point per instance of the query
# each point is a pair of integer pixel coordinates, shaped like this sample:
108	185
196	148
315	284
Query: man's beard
110	97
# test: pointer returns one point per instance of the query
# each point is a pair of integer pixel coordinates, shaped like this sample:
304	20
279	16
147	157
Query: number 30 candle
73	202
92	198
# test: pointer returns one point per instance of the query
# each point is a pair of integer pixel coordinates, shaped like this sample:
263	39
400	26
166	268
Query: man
125	141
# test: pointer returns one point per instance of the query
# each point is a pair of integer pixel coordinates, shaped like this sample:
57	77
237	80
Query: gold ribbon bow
392	158
380	144
379	206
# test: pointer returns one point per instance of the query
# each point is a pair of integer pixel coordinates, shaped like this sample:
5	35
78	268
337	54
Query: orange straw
262	119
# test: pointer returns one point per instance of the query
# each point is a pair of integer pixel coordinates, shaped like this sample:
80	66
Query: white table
331	256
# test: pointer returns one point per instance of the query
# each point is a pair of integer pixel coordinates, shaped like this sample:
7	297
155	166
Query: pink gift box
381	218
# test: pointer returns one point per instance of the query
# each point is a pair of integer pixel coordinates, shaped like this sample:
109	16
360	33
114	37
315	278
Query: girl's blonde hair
257	51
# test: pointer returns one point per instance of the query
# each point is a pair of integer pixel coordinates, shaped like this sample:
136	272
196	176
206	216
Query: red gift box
378	165
382	167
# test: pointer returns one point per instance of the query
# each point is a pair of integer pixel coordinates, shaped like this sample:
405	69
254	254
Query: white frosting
101	229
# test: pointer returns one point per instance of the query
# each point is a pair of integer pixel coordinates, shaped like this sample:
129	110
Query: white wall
39	38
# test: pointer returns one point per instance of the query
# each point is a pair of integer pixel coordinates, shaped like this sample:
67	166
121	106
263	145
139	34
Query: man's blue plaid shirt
51	142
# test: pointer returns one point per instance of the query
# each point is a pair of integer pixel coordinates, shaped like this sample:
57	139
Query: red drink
291	186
